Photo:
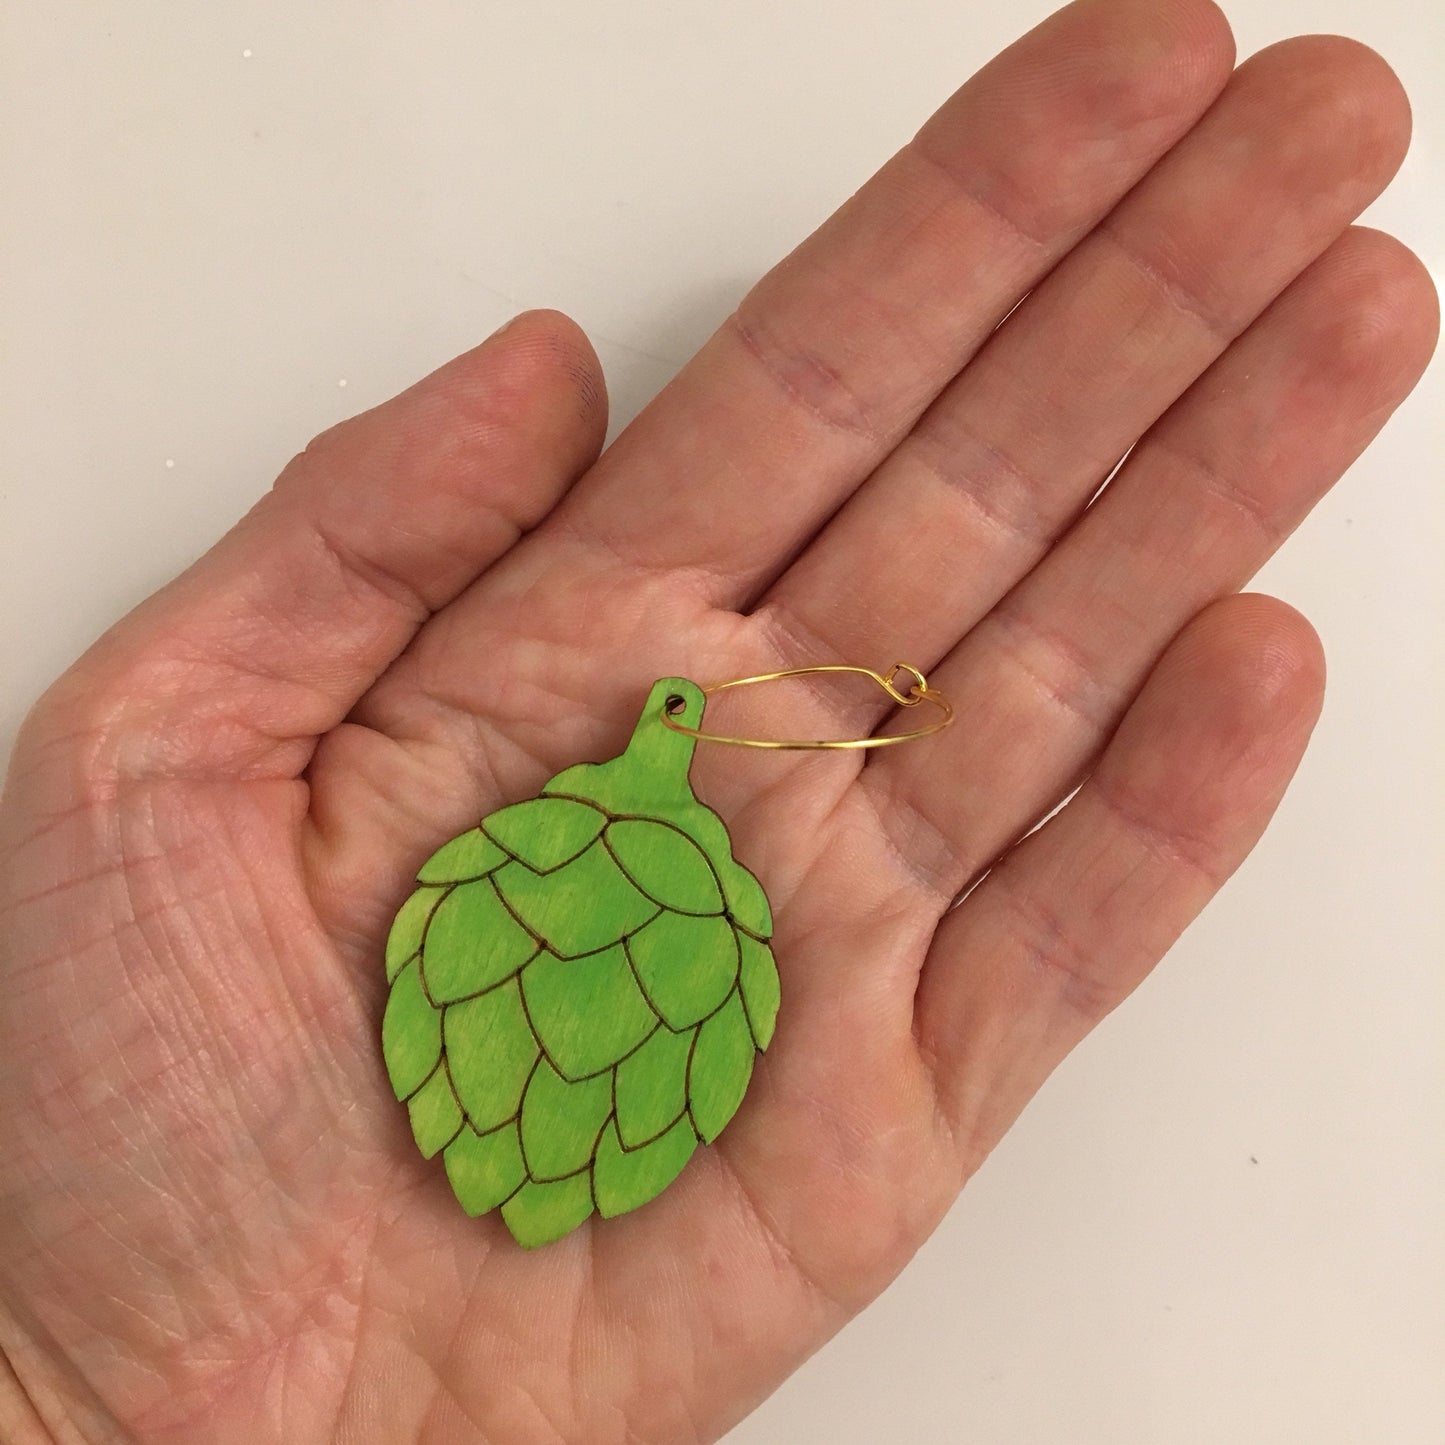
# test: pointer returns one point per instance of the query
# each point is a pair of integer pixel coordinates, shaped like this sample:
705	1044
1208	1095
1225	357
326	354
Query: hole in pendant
674	704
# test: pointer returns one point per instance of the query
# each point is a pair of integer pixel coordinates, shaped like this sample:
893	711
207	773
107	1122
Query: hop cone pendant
579	987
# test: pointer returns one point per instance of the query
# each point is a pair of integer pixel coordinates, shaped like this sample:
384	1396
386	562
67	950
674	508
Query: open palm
215	1226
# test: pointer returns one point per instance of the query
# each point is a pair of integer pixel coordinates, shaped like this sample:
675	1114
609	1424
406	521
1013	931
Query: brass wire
918	692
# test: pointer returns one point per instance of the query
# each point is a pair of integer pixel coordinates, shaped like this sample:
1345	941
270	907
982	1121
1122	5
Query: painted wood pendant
579	987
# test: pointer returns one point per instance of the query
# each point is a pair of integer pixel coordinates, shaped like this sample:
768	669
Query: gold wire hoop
918	691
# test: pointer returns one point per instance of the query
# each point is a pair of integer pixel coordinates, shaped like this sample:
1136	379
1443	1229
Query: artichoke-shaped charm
579	987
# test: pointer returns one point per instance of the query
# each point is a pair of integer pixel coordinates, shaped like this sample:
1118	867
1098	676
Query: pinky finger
1070	921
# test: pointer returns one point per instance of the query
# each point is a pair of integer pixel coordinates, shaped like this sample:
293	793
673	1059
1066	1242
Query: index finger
831	357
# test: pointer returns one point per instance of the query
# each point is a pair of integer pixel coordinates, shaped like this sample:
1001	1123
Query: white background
1224	1219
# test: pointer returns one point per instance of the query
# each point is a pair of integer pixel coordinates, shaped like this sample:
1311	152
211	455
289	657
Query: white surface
1224	1219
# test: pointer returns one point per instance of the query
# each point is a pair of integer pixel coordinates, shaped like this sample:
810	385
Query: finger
1305	135
1073	919
1201	503
830	358
269	639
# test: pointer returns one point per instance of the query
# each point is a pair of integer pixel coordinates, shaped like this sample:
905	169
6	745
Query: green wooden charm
579	987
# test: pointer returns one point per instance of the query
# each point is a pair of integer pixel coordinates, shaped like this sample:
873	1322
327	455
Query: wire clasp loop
915	690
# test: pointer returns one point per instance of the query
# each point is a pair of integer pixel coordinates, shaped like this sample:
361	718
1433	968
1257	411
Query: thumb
269	639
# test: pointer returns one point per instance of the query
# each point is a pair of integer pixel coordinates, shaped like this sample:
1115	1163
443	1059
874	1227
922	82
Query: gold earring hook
917	691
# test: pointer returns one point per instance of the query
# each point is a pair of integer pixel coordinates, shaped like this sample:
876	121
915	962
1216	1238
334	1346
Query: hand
215	1224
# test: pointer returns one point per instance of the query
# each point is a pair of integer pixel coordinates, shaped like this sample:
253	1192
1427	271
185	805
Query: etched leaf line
692	842
514	1120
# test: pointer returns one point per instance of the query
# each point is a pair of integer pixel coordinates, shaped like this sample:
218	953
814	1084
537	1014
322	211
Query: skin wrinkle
848	1142
607	1281
938	864
83	1110
946	1126
401	593
262	751
454	707
1025	528
960	189
1219	328
602	549
268	1349
126	753
880	1256
537	1402
55	820
1063	676
888	322
1175	846
320	1007
576	1334
782	1252
353	1353
791	873
809	382
103	873
1215	482
1052	949
566	528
